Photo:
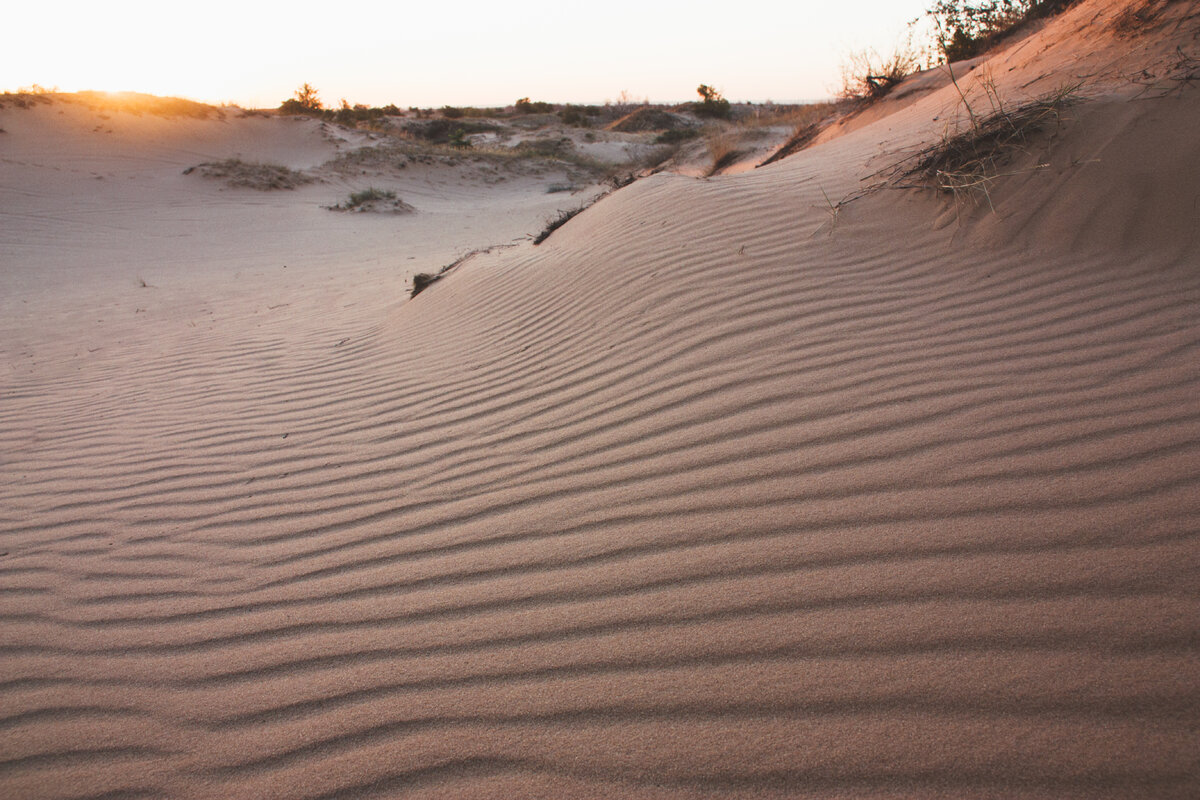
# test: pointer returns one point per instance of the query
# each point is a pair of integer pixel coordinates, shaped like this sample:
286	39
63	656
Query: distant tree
711	104
305	101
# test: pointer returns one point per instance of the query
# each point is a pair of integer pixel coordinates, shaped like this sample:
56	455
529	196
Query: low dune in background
783	483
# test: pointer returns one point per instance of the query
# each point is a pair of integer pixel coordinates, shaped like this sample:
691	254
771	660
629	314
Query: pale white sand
712	494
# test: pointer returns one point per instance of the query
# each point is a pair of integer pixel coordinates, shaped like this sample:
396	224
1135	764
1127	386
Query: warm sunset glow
428	54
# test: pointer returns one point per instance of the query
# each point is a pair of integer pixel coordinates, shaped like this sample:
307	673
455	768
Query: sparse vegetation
649	119
456	112
578	116
546	146
372	199
443	131
251	175
27	97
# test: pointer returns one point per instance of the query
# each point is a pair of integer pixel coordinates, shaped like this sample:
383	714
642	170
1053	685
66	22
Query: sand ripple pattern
676	505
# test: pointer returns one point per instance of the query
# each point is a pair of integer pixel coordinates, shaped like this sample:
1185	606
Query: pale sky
456	52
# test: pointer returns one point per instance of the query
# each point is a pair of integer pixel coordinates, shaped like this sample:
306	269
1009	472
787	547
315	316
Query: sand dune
715	493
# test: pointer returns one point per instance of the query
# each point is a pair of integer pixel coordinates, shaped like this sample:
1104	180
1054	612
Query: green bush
969	27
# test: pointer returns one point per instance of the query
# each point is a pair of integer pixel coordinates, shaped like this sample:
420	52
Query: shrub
305	101
868	76
546	147
575	115
524	106
967	28
711	104
442	131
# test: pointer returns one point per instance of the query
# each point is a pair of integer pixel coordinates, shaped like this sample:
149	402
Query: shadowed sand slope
720	492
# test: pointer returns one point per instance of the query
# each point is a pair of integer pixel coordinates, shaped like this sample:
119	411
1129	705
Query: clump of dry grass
138	103
1137	18
556	222
966	163
868	76
372	199
801	138
423	280
251	175
724	147
24	99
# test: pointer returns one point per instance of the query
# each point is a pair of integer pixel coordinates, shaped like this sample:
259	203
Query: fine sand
729	489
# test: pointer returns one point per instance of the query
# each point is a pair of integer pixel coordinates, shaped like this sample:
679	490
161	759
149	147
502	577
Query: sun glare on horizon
472	54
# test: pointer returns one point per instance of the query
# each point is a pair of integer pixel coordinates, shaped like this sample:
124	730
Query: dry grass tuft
372	199
968	162
724	148
1139	17
556	222
868	76
423	280
799	140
